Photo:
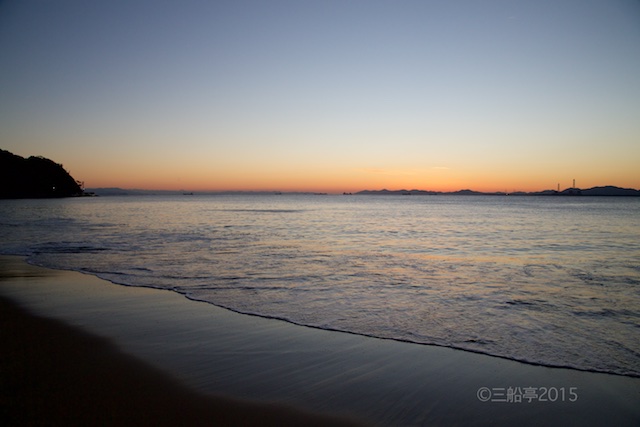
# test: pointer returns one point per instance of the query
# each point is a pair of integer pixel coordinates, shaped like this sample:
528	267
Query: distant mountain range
608	190
34	177
595	191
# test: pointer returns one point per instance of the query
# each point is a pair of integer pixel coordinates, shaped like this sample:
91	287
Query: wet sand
171	355
54	374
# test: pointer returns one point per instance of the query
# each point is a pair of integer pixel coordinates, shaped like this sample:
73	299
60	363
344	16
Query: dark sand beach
76	349
54	374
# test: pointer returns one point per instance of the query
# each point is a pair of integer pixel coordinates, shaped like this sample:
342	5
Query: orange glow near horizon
146	165
333	180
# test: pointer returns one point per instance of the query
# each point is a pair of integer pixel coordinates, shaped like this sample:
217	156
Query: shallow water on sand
547	280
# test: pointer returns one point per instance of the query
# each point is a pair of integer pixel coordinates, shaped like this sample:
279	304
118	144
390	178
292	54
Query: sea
552	281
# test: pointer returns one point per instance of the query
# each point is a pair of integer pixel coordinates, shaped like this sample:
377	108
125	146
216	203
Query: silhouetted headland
34	177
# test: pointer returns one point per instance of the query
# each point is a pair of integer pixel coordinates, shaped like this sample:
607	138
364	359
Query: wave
261	210
415	342
109	276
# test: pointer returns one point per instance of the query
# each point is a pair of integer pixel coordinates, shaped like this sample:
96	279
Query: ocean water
545	280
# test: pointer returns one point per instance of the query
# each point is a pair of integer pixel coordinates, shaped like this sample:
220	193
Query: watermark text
527	394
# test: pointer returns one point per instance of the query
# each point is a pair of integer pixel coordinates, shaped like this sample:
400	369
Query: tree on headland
34	177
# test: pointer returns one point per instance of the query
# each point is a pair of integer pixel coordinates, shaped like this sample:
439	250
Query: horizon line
227	191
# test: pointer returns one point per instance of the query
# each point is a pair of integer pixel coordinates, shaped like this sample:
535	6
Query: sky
331	96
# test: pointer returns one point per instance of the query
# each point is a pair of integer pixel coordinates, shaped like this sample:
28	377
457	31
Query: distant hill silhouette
608	190
35	177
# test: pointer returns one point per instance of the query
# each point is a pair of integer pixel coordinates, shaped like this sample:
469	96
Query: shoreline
219	352
291	322
405	341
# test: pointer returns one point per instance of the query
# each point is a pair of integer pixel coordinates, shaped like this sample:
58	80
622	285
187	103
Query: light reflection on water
547	280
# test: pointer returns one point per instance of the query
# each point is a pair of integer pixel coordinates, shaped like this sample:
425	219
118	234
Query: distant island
595	191
34	177
608	190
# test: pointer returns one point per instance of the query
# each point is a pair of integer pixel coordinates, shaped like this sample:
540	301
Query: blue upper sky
325	94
